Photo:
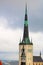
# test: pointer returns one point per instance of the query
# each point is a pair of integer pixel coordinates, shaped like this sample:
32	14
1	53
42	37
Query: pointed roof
26	39
26	17
37	59
26	34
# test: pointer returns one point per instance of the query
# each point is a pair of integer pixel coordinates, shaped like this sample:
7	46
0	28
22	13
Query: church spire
25	35
26	13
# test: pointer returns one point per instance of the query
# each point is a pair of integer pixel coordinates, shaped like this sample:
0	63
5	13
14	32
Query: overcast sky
12	14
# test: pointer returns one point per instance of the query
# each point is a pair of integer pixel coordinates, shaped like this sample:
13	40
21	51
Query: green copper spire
25	35
26	39
26	18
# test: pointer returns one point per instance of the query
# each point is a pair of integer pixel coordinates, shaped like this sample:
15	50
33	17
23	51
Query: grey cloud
12	8
36	21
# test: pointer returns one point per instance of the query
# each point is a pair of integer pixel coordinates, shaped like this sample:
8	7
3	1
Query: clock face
29	50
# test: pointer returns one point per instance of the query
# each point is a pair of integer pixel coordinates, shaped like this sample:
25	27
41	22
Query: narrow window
36	63
39	63
33	63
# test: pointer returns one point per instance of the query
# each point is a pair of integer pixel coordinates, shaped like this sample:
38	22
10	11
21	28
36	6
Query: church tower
26	47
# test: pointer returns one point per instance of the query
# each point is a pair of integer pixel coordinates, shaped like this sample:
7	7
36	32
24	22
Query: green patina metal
27	41
26	23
